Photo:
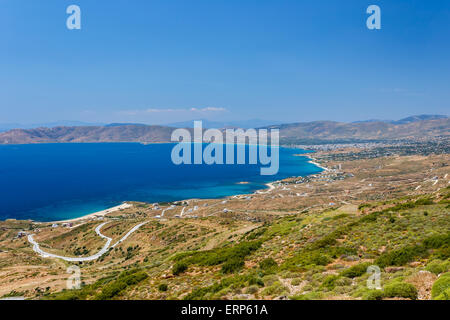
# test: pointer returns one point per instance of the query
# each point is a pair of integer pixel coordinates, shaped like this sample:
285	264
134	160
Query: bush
308	296
275	289
163	287
215	290
424	202
233	265
252	289
179	268
329	282
356	270
437	241
219	255
444	295
307	258
267	264
401	256
373	295
438	266
441	286
400	289
370	217
124	280
256	280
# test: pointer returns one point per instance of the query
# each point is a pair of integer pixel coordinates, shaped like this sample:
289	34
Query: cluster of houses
65	225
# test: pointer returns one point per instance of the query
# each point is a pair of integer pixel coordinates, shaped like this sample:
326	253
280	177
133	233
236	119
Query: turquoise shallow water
47	182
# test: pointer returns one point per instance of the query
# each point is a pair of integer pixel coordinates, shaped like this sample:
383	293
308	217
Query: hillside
121	133
364	131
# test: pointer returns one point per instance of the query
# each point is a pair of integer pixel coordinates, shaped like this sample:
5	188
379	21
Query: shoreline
126	205
97	214
317	164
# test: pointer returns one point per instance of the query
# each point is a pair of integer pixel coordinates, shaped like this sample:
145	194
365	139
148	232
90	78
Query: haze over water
48	182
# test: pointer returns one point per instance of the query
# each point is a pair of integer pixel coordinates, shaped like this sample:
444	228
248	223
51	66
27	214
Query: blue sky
172	60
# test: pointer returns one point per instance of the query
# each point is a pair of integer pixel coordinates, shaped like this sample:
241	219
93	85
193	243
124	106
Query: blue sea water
48	182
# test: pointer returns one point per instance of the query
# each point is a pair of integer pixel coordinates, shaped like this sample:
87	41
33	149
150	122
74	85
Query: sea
50	182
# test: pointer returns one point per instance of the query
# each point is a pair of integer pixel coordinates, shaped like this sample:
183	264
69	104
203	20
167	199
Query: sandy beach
317	165
96	214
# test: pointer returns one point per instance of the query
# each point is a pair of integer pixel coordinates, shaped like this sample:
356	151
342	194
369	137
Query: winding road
105	248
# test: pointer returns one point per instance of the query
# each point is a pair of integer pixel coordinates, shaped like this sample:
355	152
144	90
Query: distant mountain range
244	124
409	119
414	127
65	123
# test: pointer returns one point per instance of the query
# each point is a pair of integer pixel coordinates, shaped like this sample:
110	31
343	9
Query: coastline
125	205
97	214
312	161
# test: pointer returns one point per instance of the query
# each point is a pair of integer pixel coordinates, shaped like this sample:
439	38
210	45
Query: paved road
105	248
129	233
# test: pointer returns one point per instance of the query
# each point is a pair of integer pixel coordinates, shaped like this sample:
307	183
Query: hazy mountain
408	119
293	133
245	124
63	123
321	131
124	124
123	133
420	118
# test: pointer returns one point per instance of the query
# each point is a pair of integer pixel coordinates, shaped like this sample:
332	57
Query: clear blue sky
171	60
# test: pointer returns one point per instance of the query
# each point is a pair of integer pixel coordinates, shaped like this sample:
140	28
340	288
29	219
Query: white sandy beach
97	214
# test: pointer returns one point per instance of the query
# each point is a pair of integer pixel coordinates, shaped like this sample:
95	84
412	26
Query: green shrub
401	256
307	258
179	268
308	296
445	295
370	217
437	241
256	233
163	287
124	280
438	266
441	243
219	255
268	264
356	270
233	265
400	289
373	295
441	253
235	282
252	289
424	202
275	289
329	282
441	285
401	206
256	280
